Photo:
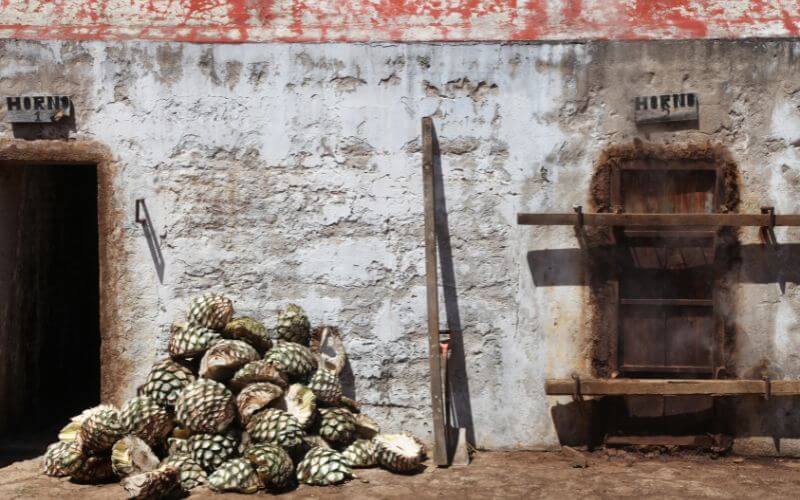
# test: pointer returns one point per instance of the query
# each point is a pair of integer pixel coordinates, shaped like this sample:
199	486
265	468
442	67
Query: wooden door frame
111	222
716	354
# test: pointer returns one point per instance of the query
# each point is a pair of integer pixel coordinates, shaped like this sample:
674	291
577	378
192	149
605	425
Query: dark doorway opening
49	302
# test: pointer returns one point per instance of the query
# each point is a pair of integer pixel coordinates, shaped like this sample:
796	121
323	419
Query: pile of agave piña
236	407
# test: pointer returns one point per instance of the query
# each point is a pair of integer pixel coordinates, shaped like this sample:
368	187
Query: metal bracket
579	211
139	205
771	212
576	391
767	387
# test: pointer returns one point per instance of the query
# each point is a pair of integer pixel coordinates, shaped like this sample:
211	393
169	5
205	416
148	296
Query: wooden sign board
37	108
666	108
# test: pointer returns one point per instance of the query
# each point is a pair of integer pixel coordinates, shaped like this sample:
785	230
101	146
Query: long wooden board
658	220
671	387
432	293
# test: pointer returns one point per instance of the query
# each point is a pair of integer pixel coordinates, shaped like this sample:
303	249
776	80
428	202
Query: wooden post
432	292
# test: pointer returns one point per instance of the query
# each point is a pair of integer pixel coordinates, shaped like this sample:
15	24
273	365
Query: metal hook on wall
139	210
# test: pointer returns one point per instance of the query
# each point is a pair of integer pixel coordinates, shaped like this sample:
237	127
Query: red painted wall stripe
396	20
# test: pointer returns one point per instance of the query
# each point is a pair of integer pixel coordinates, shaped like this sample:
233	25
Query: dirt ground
504	475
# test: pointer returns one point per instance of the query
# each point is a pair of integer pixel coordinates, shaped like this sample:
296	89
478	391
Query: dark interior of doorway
49	286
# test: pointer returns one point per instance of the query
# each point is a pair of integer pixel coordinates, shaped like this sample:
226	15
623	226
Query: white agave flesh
131	455
254	397
222	359
298	401
326	343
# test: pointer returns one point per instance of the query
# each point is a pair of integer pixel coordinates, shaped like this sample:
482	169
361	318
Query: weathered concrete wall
284	173
396	20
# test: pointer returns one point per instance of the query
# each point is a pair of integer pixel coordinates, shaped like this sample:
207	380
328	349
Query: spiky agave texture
191	475
177	446
277	427
293	325
249	330
366	428
326	386
205	406
322	467
398	452
144	418
187	340
210	310
92	469
337	425
163	482
100	429
236	475
222	359
211	450
165	381
315	441
258	371
362	453
60	458
273	465
295	360
254	398
301	403
132	455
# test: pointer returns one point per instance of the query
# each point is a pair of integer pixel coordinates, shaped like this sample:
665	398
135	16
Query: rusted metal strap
771	212
576	392
579	211
767	387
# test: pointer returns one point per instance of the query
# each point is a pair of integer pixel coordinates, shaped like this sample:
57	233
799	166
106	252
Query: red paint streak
534	21
662	15
790	24
393	20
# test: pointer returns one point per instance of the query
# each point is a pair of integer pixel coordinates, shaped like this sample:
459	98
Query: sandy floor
504	475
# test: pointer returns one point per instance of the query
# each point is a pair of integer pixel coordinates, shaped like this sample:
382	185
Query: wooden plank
658	220
668	302
689	235
670	387
699	441
432	293
672	369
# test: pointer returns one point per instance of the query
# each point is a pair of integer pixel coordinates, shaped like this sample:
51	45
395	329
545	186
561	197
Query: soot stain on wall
598	242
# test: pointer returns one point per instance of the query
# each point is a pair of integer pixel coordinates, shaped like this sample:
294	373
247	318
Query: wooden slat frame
656	220
617	203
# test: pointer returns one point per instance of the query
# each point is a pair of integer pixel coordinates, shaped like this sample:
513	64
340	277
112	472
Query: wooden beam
701	441
658	220
432	293
671	387
672	369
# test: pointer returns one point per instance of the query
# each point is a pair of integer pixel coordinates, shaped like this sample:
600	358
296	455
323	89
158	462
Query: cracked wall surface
278	173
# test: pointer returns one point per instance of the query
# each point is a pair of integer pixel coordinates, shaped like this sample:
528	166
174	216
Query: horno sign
666	108
37	108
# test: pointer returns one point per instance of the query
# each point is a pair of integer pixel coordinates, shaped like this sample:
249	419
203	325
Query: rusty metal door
666	277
